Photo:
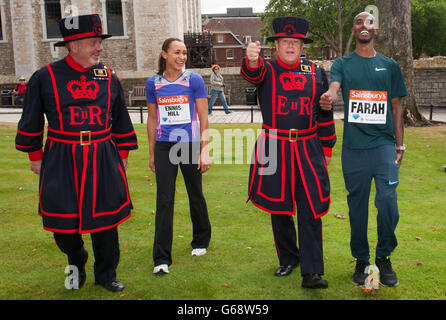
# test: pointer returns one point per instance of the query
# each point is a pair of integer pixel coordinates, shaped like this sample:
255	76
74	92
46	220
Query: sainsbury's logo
368	95
173	100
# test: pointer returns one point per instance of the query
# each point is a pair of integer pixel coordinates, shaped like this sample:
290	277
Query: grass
241	258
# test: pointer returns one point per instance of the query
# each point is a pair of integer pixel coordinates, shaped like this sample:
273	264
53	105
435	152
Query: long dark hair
162	61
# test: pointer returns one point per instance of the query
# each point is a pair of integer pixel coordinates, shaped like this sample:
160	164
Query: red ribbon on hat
81	35
283	34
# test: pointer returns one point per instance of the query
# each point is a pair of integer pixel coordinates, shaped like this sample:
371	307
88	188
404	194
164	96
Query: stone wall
430	79
430	76
146	25
6	49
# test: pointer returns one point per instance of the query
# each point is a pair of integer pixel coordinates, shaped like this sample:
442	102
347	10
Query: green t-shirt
368	86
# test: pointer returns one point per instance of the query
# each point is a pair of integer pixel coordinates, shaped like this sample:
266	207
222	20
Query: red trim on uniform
257	79
287	130
272	211
122	206
282	190
75	65
269	134
29	134
84	170
248	78
288	66
304	182
76	133
109	95
35	155
254	168
86	231
81	35
23	147
325	123
323	213
273	94
127	144
327	151
328	138
105	228
76	178
259	64
95	179
124	154
56	95
121	135
50	214
293	177
313	78
294	35
78	142
315	175
60	230
59	215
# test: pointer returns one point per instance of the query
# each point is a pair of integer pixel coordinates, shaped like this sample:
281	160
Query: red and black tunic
302	133
83	186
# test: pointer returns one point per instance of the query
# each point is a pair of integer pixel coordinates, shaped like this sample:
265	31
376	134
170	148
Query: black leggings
166	169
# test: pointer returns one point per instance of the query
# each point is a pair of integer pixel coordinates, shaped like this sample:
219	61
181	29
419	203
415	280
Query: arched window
53	14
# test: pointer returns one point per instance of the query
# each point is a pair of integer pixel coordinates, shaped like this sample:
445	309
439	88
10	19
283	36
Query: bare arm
151	127
202	110
398	127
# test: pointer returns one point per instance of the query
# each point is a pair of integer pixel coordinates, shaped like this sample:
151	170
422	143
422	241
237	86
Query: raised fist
253	51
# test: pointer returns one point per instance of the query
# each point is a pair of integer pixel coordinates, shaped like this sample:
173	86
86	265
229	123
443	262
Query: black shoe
314	281
79	260
387	277
113	286
284	270
229	111
82	272
359	276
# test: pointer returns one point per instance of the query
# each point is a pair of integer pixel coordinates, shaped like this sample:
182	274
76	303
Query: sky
219	6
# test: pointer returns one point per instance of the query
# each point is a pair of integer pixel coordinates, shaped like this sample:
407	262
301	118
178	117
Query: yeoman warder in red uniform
83	186
303	135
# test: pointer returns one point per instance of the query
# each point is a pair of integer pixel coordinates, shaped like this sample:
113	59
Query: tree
330	20
429	27
394	40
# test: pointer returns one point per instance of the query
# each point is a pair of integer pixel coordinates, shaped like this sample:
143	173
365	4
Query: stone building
29	29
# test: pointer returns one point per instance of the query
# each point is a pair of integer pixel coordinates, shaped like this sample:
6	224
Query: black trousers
105	247
168	156
309	253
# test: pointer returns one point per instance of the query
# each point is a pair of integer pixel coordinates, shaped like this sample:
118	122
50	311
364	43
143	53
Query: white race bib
174	110
367	107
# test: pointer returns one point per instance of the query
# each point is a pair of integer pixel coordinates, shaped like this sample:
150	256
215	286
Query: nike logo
393	182
380	69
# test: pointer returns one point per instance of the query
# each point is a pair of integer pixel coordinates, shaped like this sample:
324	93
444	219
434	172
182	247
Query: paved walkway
218	116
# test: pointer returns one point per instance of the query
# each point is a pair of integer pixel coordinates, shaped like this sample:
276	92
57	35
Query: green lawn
241	258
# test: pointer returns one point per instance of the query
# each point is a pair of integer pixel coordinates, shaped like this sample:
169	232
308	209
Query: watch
401	148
